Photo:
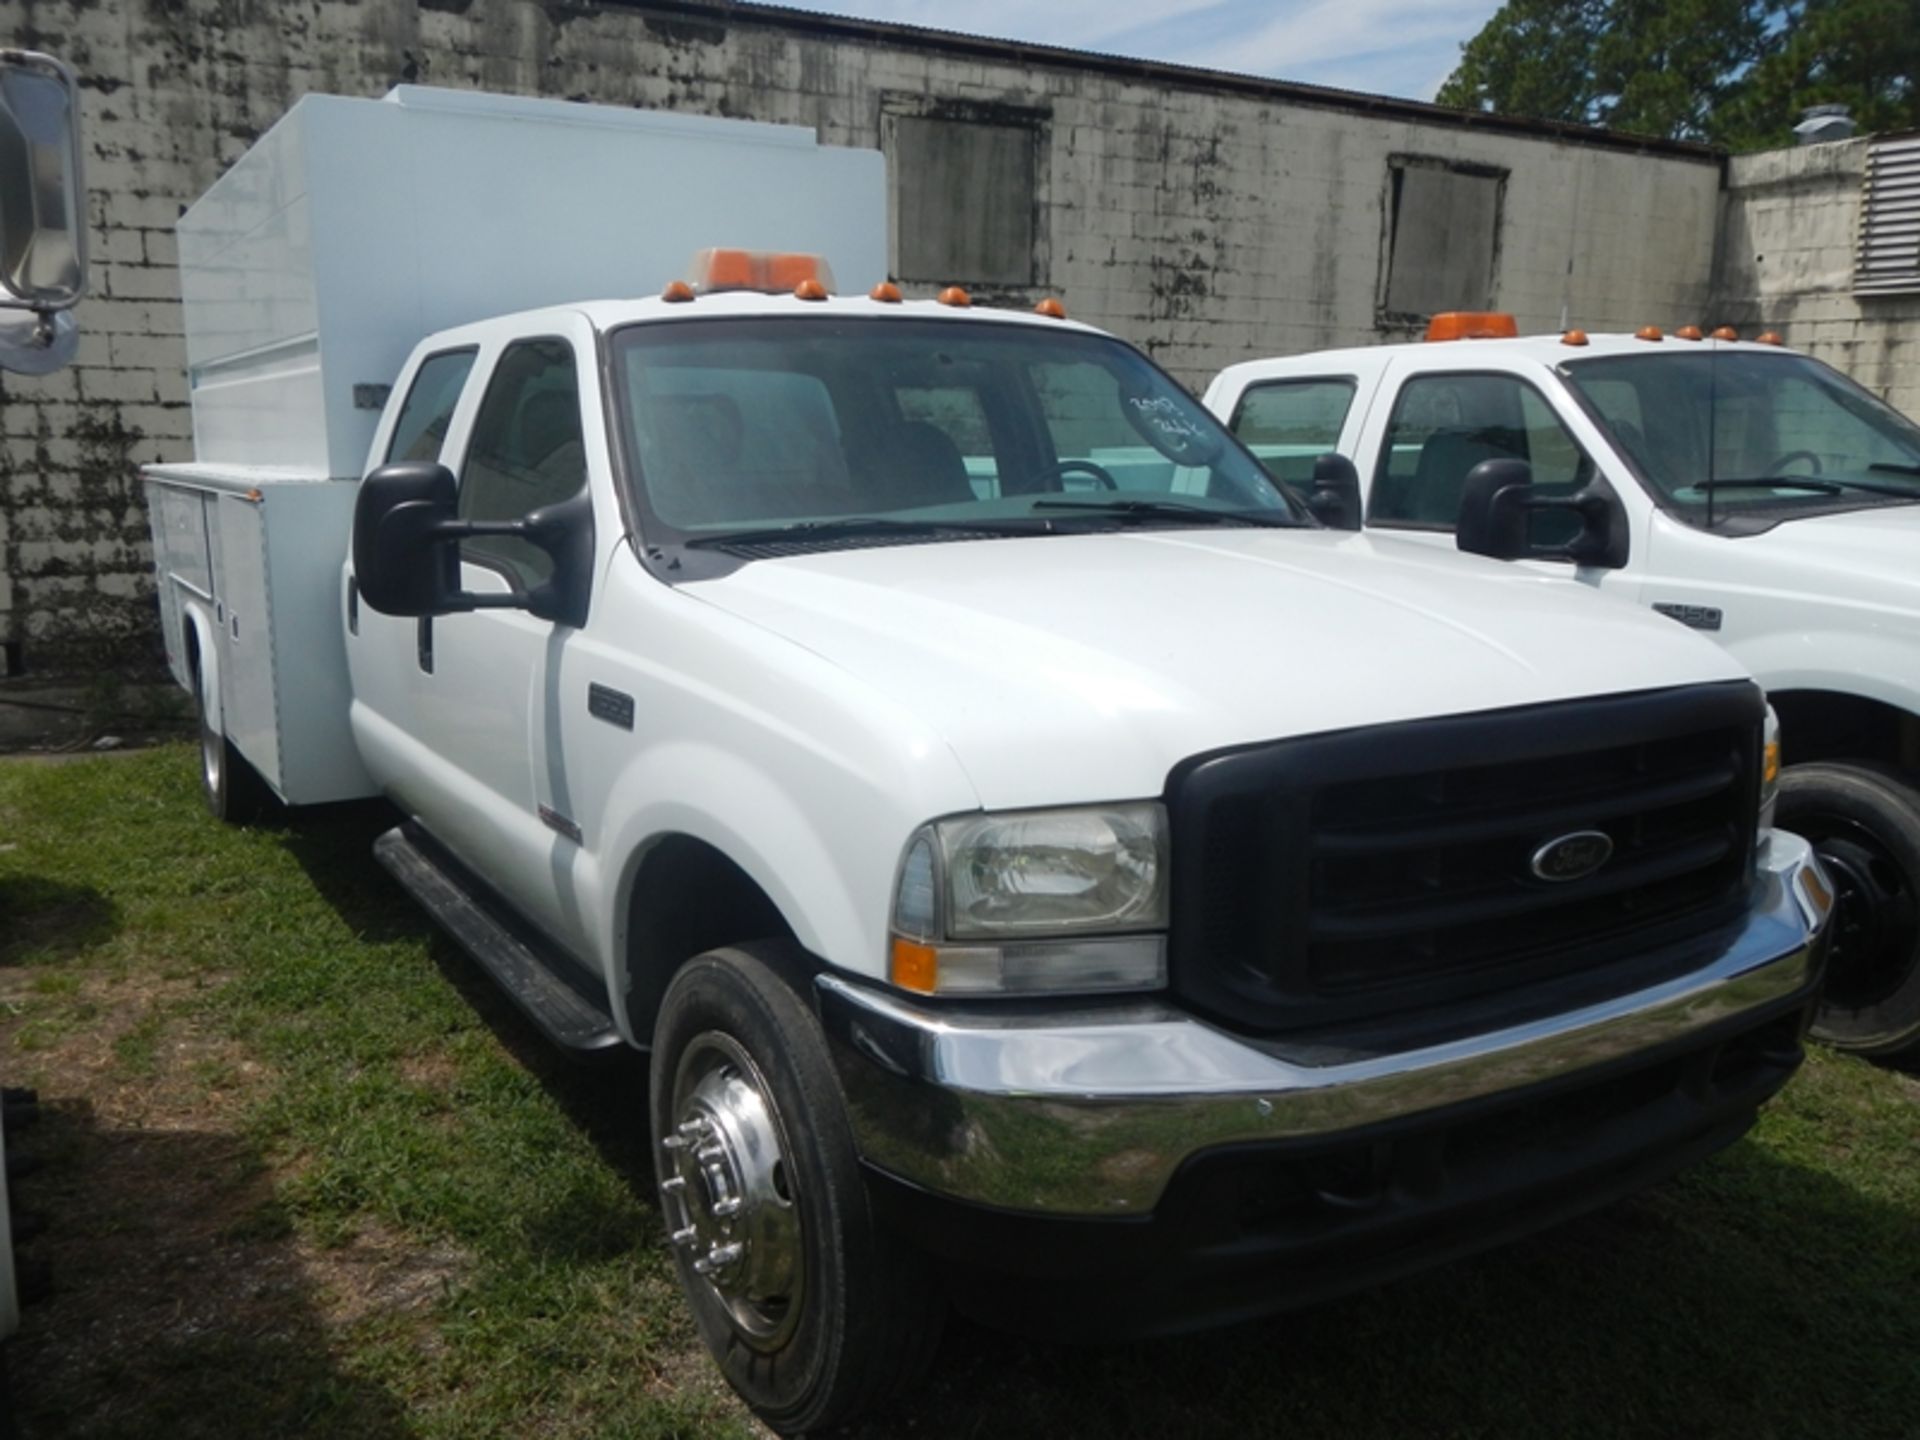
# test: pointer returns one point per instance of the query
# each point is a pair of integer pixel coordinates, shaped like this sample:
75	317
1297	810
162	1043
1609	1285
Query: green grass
309	1176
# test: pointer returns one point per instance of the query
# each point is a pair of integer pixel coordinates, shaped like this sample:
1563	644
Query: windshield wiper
1818	485
1782	482
856	525
1891	467
1170	510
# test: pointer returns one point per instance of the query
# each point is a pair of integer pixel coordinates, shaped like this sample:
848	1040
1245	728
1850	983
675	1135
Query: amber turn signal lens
1726	332
1769	337
1574	337
886	292
913	966
953	295
678	292
1688	332
1771	765
1052	309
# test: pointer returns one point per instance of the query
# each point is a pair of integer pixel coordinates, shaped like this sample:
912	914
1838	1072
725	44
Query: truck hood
1876	552
1079	668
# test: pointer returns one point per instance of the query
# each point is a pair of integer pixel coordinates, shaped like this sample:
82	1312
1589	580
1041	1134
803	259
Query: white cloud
1391	47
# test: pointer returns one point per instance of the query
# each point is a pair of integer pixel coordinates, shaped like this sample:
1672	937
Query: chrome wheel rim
726	1189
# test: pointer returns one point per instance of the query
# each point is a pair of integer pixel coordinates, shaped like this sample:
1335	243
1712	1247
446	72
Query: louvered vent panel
1888	262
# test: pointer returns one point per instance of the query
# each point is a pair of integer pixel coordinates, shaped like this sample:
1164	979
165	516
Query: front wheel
1864	823
813	1312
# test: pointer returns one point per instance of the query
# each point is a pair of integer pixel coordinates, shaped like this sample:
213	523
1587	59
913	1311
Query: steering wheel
1779	467
1060	469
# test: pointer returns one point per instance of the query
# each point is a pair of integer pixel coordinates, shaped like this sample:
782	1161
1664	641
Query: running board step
568	1018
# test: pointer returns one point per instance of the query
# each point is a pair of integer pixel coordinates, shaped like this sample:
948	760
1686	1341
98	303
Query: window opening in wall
966	192
1441	243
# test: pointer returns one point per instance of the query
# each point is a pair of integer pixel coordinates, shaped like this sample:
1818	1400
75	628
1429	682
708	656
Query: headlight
1769	771
1054	901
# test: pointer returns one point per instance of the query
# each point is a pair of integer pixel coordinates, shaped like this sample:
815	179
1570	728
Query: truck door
382	650
1431	429
482	679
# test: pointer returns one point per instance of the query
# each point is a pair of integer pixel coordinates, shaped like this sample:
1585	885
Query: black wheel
1865	825
813	1312
232	788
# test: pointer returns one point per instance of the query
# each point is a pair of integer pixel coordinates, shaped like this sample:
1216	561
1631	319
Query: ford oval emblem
1572	857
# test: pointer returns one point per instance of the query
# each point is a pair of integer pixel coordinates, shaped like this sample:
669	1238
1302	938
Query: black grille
1370	871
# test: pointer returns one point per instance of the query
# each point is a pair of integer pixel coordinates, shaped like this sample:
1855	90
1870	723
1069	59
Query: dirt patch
379	1273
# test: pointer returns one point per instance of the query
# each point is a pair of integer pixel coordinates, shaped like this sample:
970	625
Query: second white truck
1051	873
1746	491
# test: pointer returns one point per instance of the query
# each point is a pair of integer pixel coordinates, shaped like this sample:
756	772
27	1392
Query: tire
814	1313
1864	823
232	788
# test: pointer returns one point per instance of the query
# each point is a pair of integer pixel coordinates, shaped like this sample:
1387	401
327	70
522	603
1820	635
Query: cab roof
752	305
1547	350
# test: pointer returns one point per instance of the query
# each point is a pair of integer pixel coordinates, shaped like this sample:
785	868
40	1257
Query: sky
1385	47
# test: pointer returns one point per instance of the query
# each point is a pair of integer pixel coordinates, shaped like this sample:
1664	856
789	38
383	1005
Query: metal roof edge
722	12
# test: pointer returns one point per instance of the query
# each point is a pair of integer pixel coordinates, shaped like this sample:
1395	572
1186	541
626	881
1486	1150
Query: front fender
827	867
1847	662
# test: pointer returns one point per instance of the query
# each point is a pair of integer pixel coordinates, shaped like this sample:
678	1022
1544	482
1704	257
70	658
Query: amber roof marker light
1649	332
1051	308
678	292
1688	332
953	295
1769	337
1574	337
1726	332
886	292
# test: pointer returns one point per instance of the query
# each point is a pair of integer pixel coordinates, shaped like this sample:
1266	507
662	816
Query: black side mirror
402	562
1335	497
1498	500
406	547
1493	510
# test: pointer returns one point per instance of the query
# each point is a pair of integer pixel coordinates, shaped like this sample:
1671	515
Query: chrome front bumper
1092	1112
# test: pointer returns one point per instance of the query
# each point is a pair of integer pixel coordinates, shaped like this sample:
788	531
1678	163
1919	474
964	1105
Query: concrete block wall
1207	220
1789	229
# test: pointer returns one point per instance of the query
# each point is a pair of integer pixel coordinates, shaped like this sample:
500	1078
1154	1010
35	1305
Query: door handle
425	642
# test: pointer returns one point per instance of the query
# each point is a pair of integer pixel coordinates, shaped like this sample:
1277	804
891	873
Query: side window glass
1288	424
527	450
428	409
957	414
1443	426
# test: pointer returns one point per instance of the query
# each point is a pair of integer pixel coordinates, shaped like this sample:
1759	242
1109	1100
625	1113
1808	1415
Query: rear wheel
813	1312
232	788
1865	825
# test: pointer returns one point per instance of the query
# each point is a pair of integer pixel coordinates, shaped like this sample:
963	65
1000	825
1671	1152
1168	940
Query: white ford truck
1738	487
1050	871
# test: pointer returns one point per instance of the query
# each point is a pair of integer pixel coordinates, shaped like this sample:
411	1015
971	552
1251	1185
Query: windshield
1759	437
876	431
